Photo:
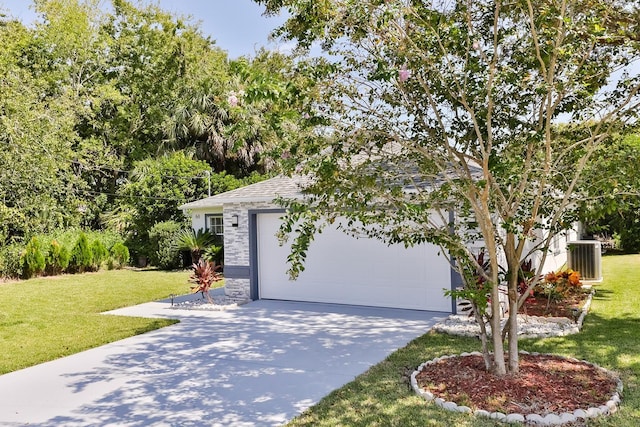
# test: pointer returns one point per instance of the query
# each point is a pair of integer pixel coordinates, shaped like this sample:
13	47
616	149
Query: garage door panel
342	269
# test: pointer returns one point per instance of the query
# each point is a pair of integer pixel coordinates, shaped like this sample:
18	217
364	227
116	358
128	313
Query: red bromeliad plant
205	274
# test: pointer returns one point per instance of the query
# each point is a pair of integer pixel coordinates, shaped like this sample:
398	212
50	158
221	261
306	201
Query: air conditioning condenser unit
585	257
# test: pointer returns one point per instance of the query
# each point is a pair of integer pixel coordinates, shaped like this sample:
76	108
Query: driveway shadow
260	364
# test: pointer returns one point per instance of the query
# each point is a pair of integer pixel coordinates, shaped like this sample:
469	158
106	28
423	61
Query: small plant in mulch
559	294
205	274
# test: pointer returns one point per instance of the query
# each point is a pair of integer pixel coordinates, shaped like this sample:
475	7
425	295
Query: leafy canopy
443	127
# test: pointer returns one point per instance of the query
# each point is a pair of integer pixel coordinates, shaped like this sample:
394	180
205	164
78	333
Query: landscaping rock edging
220	303
528	326
552	419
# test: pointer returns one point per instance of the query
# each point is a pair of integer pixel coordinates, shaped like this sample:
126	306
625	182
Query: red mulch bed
540	306
545	384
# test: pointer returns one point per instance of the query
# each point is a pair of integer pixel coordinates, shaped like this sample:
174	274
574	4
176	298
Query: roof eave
220	202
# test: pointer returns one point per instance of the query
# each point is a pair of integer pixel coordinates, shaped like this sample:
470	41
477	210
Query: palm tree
195	242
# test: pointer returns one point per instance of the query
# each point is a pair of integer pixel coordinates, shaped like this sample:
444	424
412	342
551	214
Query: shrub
57	258
165	254
10	260
119	255
32	259
81	255
205	274
99	254
559	284
214	253
195	242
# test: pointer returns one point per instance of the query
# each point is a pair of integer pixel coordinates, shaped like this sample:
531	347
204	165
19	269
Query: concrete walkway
260	364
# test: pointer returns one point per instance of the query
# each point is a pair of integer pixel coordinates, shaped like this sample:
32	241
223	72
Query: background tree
93	90
153	193
613	182
36	138
451	108
235	119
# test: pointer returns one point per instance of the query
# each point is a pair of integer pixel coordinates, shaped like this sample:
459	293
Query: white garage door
345	270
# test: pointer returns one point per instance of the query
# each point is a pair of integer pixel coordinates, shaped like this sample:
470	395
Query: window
555	244
215	224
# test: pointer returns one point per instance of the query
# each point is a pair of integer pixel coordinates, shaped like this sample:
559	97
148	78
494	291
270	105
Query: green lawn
47	318
610	337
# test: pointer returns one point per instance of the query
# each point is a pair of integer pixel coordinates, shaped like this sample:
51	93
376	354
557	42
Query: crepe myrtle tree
441	107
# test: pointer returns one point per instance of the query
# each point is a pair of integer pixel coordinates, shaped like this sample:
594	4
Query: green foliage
119	255
92	92
32	259
81	255
68	237
476	290
36	137
155	191
99	254
439	124
613	183
58	258
161	238
214	253
101	242
10	260
194	241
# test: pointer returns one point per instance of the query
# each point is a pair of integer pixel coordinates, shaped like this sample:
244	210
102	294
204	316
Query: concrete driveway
260	364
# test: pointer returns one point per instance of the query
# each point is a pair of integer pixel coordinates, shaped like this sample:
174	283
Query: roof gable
263	191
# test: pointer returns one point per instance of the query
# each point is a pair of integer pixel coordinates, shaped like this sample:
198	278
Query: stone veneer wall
236	247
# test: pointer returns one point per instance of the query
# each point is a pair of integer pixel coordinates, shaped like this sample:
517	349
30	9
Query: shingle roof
263	191
291	187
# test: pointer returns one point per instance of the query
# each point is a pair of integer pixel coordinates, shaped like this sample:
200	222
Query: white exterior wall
198	217
558	252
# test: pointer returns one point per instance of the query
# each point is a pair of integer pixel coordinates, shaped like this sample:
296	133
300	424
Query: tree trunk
195	256
514	362
513	265
499	367
486	356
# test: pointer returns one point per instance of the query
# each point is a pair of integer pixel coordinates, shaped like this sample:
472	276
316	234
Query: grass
47	318
610	338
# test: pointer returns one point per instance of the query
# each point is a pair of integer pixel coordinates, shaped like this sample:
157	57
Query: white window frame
215	224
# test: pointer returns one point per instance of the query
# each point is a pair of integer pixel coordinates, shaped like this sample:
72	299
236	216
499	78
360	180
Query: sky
237	26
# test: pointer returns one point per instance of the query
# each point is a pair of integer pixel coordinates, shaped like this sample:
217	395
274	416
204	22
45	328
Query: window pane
216	225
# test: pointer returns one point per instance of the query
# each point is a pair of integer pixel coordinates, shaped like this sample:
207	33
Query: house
339	268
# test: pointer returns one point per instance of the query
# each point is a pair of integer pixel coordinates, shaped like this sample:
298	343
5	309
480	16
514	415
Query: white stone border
551	326
608	408
202	305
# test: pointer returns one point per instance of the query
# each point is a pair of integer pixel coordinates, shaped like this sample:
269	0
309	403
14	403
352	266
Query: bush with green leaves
119	256
214	253
32	259
101	243
162	236
99	253
57	258
10	260
194	241
69	236
81	255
